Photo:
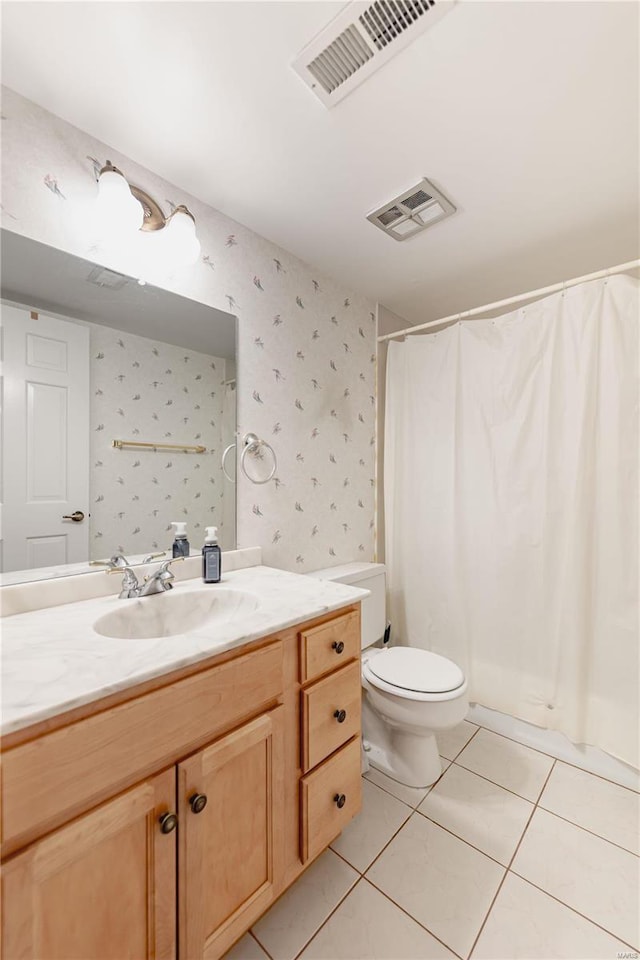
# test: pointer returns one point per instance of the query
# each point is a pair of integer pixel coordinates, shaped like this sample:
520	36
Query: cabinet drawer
336	781
330	714
63	773
328	646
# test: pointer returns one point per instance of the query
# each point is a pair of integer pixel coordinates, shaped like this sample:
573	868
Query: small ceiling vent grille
362	38
102	277
412	212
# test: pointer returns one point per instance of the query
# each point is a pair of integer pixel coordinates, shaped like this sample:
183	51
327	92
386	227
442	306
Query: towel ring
252	444
224	459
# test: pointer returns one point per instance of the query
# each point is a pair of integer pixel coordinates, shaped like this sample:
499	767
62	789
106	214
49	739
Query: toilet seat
414	674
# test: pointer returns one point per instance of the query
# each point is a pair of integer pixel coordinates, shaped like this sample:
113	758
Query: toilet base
412	761
409	759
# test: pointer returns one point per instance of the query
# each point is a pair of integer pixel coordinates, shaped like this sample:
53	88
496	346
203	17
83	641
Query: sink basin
173	613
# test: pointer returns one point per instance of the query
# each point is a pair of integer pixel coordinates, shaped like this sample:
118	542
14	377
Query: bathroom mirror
118	403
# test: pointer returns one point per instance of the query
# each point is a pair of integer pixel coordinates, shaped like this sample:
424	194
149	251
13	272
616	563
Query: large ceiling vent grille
385	20
412	212
361	39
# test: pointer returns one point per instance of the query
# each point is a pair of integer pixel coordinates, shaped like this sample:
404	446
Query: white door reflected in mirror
45	448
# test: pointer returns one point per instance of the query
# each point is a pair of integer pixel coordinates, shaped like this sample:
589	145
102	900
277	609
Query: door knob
77	516
340	715
340	800
337	646
168	822
198	802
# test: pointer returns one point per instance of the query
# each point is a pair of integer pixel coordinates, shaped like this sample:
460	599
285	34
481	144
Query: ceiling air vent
412	212
362	38
102	277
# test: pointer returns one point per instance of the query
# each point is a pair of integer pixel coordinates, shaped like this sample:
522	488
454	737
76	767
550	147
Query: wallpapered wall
306	346
147	390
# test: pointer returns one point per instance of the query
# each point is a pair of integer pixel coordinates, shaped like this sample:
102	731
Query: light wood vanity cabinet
166	820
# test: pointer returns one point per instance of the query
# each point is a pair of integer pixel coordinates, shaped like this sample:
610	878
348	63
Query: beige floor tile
440	880
367	926
363	839
595	804
526	924
409	795
509	764
587	873
451	742
246	949
295	917
478	811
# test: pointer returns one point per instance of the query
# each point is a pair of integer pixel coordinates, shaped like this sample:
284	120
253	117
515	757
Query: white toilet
409	694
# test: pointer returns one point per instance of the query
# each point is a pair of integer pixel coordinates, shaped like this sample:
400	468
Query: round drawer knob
198	802
337	646
340	800
168	822
340	715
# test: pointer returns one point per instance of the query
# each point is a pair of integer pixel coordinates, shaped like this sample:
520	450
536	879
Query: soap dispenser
211	557
180	544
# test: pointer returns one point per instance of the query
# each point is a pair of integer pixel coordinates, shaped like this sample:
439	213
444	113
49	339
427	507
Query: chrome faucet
118	561
158	582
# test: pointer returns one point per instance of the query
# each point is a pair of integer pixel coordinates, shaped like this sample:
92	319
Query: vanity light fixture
127	214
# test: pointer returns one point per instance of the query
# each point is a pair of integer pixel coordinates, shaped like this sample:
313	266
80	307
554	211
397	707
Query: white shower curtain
511	508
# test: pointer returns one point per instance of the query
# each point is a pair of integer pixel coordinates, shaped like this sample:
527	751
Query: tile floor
511	855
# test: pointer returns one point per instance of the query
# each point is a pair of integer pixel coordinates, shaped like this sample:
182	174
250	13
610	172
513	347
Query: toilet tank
367	576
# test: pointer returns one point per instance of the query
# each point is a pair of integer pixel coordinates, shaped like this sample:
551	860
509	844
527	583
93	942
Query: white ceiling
525	115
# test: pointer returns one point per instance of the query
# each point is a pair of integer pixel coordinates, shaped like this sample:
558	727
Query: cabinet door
101	887
230	845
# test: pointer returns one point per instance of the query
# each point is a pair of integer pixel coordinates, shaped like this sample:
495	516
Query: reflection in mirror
118	404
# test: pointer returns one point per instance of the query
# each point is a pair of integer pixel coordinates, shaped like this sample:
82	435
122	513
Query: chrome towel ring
231	446
252	444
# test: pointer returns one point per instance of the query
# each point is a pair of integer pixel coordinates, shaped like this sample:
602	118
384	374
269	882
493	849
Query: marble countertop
53	659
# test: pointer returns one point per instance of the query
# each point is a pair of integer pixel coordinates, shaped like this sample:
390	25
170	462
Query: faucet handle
163	573
164	566
153	556
117	562
130	583
124	569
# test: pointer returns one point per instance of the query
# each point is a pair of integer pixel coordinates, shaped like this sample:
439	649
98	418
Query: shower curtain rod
543	291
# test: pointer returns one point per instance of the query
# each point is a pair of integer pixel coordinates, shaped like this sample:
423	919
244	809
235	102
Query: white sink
173	613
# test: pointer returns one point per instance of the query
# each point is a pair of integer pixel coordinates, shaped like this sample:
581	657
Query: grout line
489	780
328	917
561	760
615	783
411	917
381	851
478	728
506	873
344	860
427	790
573	909
388	792
592	832
462	839
263	948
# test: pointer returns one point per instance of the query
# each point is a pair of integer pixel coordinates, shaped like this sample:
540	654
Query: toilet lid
417	670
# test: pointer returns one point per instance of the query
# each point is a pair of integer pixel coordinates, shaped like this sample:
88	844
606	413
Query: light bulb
118	213
182	246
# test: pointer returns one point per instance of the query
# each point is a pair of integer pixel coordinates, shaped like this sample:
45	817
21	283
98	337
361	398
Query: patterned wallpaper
306	345
146	390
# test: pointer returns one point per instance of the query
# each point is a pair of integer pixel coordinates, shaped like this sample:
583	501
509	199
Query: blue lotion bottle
211	557
180	544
